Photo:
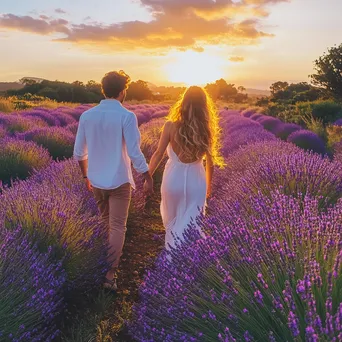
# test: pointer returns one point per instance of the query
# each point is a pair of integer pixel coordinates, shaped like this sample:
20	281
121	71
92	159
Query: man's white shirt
108	136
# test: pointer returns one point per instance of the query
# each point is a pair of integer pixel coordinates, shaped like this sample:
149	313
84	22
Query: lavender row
56	218
270	265
293	133
51	217
53	130
20	122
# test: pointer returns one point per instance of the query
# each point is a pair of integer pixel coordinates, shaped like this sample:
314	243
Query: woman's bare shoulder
169	126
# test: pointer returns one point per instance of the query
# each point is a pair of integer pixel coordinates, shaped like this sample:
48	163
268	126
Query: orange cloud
236	59
43	25
181	24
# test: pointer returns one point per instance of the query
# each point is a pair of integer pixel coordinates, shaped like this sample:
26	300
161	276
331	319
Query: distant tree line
290	94
90	92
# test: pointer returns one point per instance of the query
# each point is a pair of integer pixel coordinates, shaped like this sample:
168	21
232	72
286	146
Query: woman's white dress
183	193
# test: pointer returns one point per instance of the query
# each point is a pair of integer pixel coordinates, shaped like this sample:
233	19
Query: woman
190	135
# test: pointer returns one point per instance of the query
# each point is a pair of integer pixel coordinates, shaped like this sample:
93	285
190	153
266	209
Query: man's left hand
88	184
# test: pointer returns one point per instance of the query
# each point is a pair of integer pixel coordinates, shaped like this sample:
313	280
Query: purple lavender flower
247	246
15	123
31	288
248	113
43	114
239	131
283	131
18	159
308	141
270	124
256	116
58	141
3	131
57	211
338	122
338	152
64	118
293	172
72	128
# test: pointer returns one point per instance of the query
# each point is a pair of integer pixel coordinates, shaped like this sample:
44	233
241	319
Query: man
107	141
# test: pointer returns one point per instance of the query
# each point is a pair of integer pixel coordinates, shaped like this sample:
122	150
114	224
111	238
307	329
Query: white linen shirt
108	136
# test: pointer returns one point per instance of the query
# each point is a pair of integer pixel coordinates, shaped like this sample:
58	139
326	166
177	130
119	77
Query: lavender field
268	269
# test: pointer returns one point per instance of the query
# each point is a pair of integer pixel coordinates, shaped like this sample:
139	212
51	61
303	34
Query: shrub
263	276
64	118
239	131
3	131
58	141
260	118
31	289
338	151
72	128
317	127
245	158
77	112
160	113
283	131
247	113
338	122
326	111
334	135
16	123
270	124
43	114
308	141
56	211
256	116
295	171
18	159
36	121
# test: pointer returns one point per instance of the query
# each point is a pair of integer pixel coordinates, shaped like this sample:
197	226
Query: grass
11	104
316	126
6	105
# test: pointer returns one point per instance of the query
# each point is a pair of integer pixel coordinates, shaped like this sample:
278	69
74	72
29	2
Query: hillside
4	86
258	92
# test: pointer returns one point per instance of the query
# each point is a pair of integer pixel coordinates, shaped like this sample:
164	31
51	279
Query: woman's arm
163	143
209	173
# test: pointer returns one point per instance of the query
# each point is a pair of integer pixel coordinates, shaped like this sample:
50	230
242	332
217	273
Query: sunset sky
249	42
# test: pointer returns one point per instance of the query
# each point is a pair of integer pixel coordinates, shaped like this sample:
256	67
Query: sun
194	68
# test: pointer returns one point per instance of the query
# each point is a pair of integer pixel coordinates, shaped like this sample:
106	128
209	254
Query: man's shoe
111	285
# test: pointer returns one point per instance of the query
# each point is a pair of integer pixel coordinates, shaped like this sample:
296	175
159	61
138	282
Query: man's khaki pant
114	206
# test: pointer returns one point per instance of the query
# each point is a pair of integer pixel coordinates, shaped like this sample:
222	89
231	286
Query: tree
295	92
139	91
213	90
278	86
221	90
241	89
240	98
329	72
49	93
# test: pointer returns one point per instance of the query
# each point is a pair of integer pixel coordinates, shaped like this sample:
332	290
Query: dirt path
144	241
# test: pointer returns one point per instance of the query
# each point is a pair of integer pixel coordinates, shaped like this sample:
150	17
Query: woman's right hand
208	192
148	186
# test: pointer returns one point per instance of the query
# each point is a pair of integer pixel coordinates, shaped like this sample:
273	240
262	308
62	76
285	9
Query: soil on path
144	241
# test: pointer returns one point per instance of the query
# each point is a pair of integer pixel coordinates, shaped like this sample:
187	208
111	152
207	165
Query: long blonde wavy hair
197	125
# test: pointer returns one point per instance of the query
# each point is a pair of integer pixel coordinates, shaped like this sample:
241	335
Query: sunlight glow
194	68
